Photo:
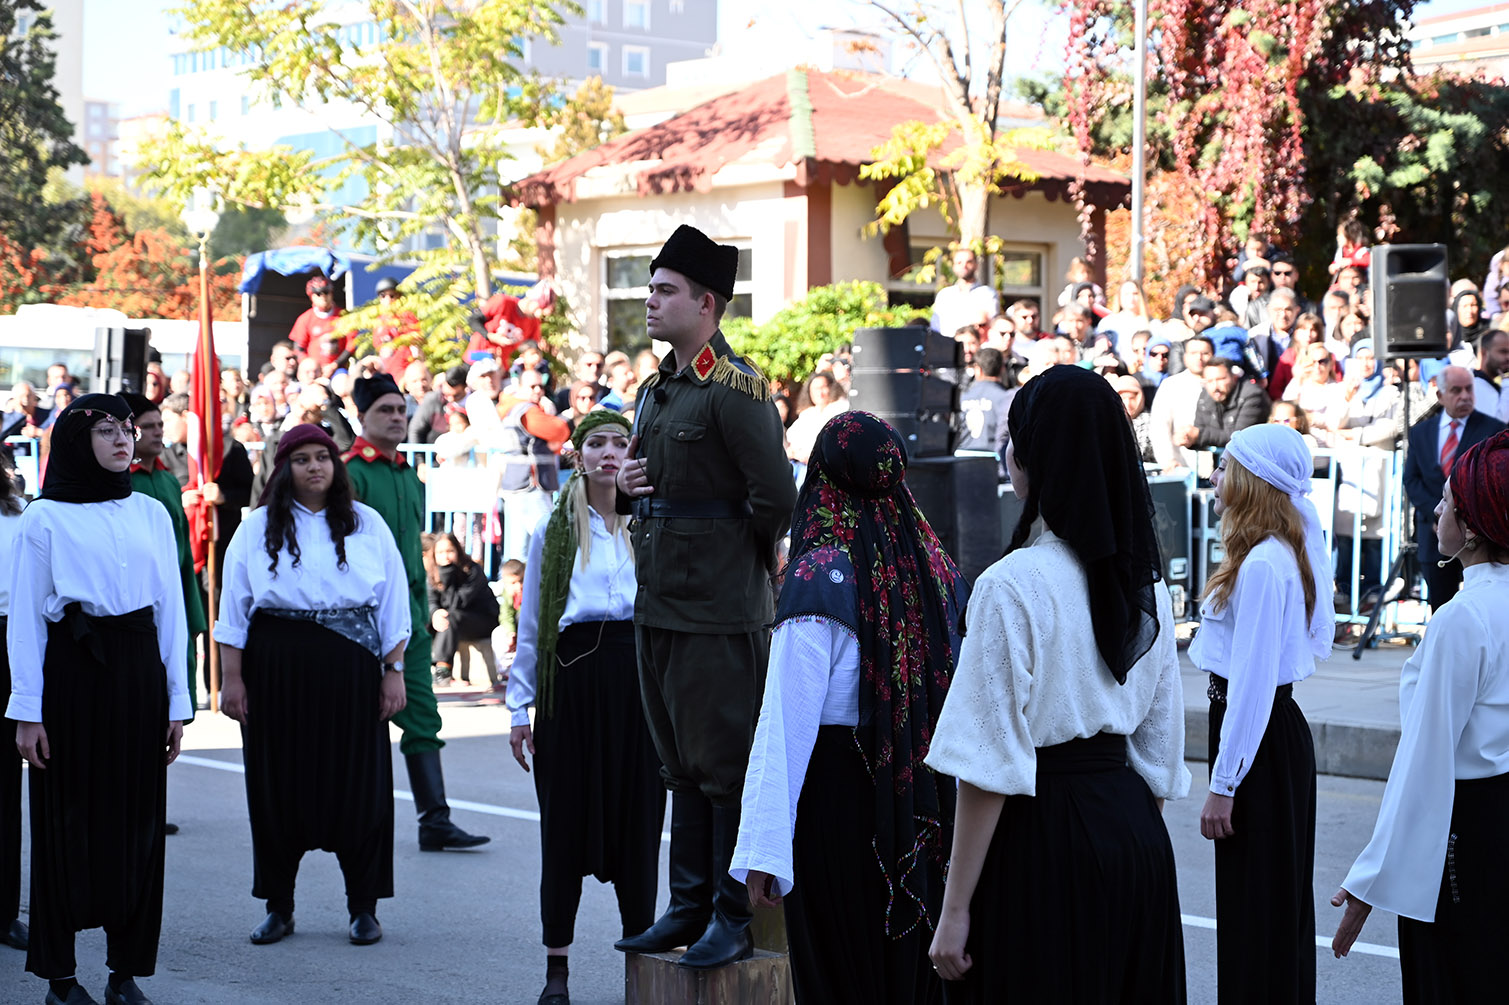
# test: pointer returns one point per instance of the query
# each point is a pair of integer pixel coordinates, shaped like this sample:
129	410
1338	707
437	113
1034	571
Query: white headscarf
1279	456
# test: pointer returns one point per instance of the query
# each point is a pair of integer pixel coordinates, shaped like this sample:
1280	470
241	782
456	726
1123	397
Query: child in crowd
1352	247
510	590
463	611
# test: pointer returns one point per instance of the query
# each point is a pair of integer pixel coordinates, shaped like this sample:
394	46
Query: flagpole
206	362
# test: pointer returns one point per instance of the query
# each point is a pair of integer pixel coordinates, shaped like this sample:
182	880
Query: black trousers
10	798
596	776
1265	872
1458	958
97	811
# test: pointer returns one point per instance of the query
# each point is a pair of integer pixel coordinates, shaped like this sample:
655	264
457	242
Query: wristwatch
395	665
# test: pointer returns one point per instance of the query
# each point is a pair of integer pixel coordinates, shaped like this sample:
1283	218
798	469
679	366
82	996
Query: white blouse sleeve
394	617
1256	606
169	615
30	585
1155	749
983	737
1400	869
236	592
802	657
522	676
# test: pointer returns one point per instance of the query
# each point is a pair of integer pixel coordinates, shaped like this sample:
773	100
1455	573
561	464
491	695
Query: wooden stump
763	979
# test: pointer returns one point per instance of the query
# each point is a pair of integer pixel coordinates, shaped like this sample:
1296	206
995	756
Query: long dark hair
10	499
340	514
463	561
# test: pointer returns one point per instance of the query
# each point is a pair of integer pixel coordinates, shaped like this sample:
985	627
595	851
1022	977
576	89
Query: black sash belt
359	624
1216	692
692	509
1083	755
82	627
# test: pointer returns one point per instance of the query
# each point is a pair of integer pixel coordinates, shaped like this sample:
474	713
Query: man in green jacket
711	492
381	478
150	476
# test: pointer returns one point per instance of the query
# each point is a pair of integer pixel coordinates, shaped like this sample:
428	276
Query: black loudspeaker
1171	523
897	392
120	360
959	497
1409	283
911	348
926	435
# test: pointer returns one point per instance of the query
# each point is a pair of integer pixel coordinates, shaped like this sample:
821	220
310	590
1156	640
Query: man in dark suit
1434	444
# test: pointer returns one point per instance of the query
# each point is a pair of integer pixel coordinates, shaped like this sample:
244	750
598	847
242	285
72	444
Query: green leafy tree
589	119
35	135
958	165
788	345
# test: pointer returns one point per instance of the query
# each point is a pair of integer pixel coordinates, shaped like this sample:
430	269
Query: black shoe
77	996
273	928
170	828
691	883
127	994
436	832
727	939
556	999
365	930
17	935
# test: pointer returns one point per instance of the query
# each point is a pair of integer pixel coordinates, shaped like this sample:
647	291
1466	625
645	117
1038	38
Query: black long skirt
597	778
1265	872
319	772
97	810
836	911
1078	899
10	797
1458	958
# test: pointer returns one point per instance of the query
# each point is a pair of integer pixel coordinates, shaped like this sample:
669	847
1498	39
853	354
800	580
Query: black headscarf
1462	334
1070	435
73	474
855	510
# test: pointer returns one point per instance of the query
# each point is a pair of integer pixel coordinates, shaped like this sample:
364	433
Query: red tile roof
827	123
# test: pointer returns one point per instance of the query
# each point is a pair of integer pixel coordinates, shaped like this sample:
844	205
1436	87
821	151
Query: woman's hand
947	951
392	696
174	740
519	738
1215	817
233	698
440	620
1355	916
31	741
762	889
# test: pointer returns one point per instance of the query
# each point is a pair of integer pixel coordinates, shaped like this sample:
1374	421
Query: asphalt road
463	927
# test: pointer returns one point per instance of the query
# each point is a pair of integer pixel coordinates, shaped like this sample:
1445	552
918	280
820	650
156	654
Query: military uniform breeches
701	696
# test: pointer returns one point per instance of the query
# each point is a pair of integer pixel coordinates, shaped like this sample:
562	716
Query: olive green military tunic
705	545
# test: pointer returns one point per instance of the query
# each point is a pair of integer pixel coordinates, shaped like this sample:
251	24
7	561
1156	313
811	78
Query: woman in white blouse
1065	727
596	773
313	624
1267	616
13	931
841	821
99	692
1438	854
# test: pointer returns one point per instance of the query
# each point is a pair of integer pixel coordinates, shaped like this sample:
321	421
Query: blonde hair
1255	511
581	521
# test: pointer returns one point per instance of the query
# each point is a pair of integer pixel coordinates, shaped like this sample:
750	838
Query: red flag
205	437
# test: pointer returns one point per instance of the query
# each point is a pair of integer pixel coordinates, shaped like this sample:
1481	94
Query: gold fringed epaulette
648	382
751	381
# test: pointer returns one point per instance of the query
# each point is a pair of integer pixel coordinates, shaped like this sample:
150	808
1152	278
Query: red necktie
1449	449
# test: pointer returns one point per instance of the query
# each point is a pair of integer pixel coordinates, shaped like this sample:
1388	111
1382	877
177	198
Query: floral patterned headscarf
903	606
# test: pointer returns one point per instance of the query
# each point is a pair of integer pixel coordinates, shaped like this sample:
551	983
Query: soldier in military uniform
711	492
381	478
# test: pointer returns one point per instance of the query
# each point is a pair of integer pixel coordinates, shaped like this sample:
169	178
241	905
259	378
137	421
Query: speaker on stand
893	377
120	360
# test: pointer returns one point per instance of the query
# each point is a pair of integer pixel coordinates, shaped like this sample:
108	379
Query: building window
245	105
637	15
626	276
597	58
636	61
214	110
191	113
174	97
678	6
1017	276
597	12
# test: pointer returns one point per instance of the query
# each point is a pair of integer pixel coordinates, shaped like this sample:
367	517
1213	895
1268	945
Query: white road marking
1192	920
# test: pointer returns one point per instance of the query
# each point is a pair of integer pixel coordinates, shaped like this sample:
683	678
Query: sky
127	42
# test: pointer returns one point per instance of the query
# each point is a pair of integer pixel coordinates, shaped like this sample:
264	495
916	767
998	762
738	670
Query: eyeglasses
109	429
1159	354
1283	272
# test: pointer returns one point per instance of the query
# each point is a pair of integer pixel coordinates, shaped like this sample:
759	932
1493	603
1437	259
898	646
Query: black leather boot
436	832
727	939
690	879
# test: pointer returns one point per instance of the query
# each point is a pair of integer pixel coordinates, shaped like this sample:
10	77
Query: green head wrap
559	559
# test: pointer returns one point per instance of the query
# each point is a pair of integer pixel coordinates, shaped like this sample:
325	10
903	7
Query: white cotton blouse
602	591
1030	676
1259	641
374	575
813	681
1454	718
10	527
113	557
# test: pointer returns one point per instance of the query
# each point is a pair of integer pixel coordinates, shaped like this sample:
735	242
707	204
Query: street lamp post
1139	138
200	217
